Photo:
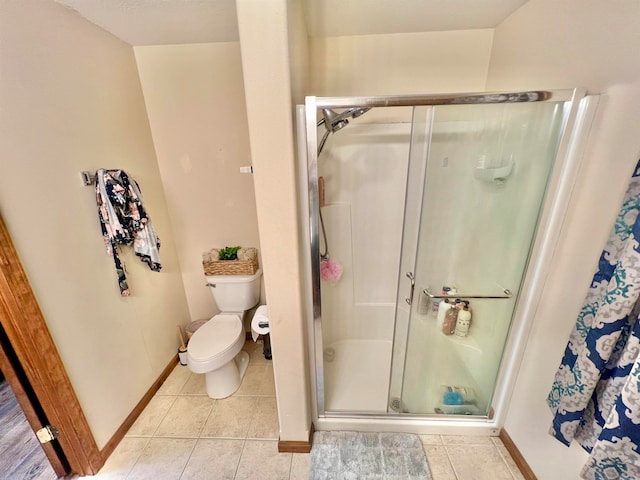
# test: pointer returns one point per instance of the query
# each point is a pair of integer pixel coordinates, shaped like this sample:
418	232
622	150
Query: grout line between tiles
215	402
206	420
186	380
230	438
179	389
254	414
137	459
175	398
240	458
504	460
290	466
446	450
187	462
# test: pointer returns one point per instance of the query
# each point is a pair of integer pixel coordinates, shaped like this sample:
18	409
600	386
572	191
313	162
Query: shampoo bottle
450	318
464	321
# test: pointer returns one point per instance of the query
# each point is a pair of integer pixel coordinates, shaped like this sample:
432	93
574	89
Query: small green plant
229	253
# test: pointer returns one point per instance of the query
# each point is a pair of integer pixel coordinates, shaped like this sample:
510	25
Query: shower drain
395	404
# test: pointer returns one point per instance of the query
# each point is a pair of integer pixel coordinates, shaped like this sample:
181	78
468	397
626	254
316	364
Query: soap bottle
435	305
443	308
450	318
463	322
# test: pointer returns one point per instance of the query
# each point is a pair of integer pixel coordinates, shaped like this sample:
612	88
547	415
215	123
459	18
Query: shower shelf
506	293
498	175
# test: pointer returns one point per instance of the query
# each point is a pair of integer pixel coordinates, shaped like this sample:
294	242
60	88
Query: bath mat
358	455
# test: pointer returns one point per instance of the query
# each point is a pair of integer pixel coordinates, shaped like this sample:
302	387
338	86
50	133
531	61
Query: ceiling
326	18
164	22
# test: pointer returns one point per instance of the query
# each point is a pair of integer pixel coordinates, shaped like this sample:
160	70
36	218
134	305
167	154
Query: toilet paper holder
260	326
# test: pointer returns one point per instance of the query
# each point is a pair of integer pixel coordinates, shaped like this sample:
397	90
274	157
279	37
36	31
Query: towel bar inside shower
506	293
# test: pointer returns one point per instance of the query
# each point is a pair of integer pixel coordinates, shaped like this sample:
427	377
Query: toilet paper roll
260	322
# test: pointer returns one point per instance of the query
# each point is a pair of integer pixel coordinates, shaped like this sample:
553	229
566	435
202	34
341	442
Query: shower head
334	121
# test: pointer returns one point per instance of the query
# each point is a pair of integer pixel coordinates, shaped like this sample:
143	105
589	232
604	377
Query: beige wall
71	100
410	63
265	62
337	66
298	51
549	44
195	102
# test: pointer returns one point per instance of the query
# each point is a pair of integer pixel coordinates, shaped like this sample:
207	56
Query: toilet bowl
215	349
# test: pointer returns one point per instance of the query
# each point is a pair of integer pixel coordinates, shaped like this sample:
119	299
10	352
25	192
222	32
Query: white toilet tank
235	293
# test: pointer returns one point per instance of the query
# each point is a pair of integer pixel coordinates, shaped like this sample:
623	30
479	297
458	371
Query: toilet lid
215	337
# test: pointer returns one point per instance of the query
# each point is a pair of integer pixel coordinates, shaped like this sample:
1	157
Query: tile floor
185	435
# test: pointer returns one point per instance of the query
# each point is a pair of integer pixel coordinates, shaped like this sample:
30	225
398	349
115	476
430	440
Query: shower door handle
409	299
506	293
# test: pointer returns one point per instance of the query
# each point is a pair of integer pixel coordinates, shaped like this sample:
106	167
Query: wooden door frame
35	351
15	378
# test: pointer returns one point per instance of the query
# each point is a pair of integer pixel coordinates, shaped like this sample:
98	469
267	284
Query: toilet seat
215	343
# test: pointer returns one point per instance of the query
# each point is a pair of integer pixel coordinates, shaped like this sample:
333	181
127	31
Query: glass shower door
469	226
364	172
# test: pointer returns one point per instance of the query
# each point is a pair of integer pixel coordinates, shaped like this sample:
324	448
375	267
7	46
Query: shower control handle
409	299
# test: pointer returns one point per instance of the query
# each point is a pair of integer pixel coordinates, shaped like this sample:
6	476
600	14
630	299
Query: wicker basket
230	267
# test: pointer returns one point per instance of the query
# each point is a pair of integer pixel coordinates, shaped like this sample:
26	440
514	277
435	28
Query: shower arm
323	140
506	294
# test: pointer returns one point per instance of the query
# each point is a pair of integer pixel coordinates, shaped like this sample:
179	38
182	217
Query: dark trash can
266	346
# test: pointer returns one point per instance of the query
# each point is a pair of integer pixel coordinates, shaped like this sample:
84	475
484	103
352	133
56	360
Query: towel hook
88	178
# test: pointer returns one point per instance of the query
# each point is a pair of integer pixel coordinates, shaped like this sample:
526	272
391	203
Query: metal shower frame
579	114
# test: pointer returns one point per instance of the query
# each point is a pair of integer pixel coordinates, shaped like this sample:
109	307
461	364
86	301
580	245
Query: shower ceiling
165	22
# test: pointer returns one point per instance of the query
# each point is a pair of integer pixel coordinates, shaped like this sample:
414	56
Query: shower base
356	375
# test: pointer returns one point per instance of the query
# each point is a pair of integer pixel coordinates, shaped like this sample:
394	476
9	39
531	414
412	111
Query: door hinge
47	434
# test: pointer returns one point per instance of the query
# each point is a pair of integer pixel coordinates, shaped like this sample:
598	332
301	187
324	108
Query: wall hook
88	178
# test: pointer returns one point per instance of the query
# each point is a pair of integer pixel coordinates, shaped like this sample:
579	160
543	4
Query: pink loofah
330	270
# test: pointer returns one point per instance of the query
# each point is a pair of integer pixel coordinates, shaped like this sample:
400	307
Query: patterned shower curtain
595	397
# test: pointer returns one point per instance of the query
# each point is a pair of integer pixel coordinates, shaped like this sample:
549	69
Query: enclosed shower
432	206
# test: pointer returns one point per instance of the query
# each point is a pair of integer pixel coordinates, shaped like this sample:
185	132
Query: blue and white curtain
595	397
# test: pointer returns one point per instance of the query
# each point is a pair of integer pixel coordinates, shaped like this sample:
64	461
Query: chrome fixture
506	293
334	121
409	299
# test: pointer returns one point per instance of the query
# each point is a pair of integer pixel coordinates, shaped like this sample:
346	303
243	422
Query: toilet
215	348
